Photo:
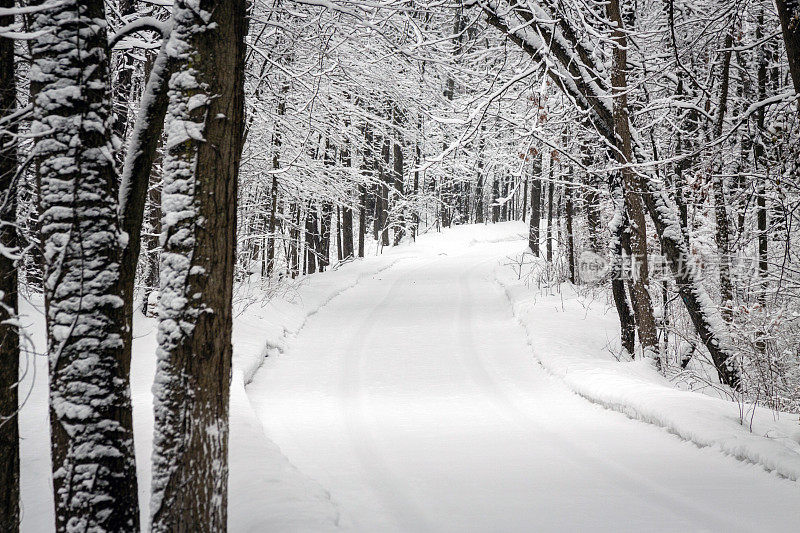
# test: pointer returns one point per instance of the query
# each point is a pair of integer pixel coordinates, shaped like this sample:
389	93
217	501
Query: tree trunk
536	206
619	234
479	187
568	208
495	199
720	207
789	13
758	150
640	297
324	237
397	160
273	191
550	187
312	239
139	161
385	180
94	474
9	338
293	259
589	97
362	219
347	212
152	245
192	386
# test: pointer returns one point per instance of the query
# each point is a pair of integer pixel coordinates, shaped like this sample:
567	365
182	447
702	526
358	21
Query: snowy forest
399	265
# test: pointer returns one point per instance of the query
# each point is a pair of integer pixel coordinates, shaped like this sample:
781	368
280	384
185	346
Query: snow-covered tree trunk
618	227
191	390
640	296
9	339
94	476
536	206
136	175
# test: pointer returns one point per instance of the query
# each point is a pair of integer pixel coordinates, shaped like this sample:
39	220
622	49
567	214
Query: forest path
414	399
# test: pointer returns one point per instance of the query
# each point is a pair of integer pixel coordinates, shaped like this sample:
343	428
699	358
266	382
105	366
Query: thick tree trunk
192	385
789	13
9	338
94	475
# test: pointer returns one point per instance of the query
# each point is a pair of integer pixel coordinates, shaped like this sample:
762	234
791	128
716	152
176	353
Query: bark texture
191	390
9	339
94	477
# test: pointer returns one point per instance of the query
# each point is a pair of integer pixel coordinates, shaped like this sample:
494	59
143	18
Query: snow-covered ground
429	390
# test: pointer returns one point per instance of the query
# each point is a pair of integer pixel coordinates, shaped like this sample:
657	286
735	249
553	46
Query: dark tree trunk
758	149
146	135
324	238
495	199
9	338
397	161
632	184
550	189
362	219
311	239
789	13
536	206
385	181
153	259
568	208
94	474
479	187
339	256
525	200
273	191
192	390
620	241
346	231
722	236
294	240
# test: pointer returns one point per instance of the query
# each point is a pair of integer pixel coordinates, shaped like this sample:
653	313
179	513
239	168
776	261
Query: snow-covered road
414	399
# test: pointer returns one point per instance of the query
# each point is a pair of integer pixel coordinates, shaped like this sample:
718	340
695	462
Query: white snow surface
430	390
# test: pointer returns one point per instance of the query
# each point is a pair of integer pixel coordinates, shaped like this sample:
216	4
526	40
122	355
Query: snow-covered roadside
265	491
574	338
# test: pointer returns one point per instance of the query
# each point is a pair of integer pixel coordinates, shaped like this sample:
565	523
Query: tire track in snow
382	480
637	486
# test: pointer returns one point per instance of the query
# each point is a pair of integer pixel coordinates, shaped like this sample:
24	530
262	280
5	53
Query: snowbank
574	339
266	493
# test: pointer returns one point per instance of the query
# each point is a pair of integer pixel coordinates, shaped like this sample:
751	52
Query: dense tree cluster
155	154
